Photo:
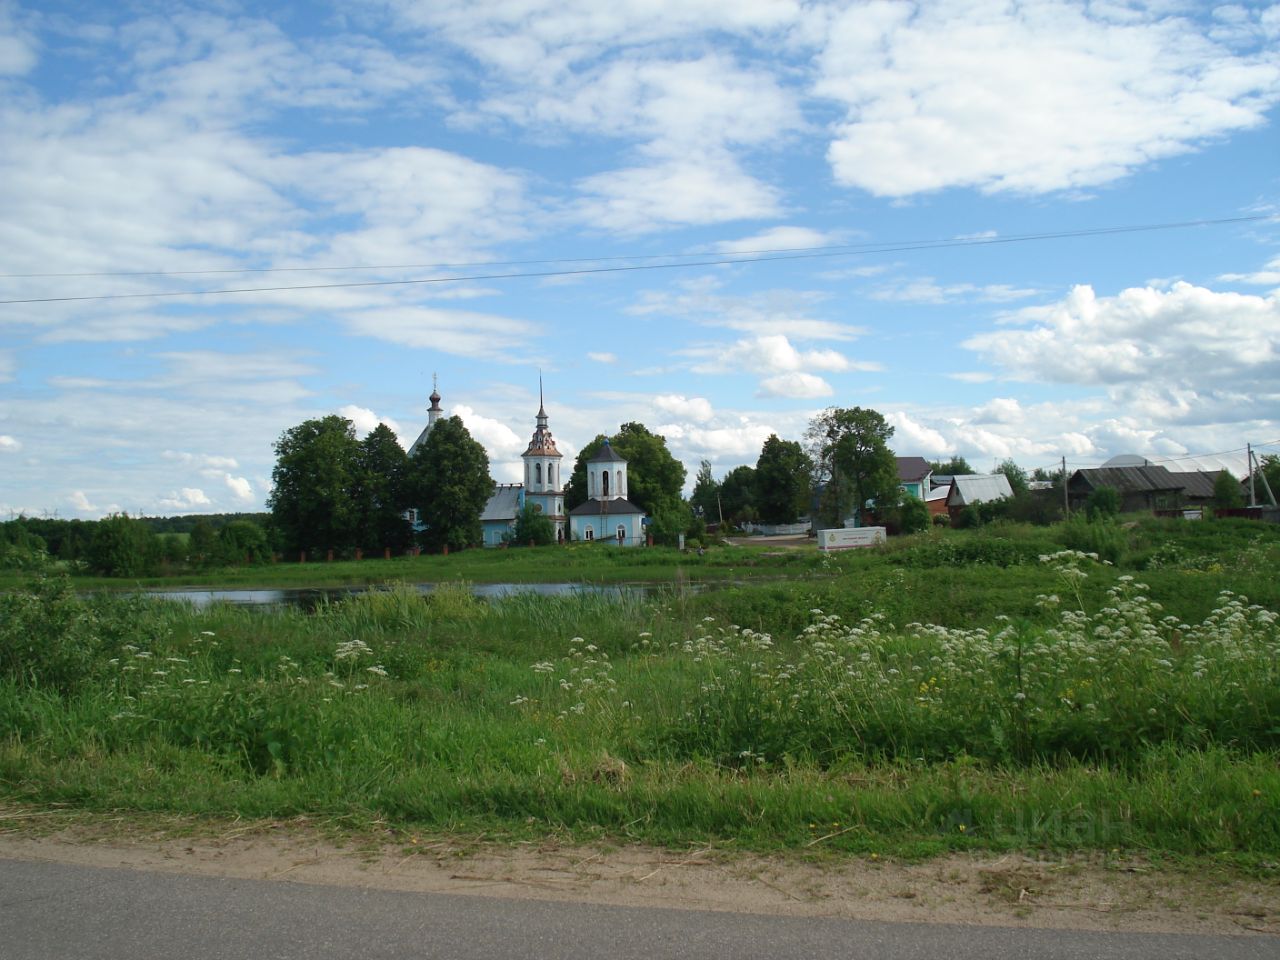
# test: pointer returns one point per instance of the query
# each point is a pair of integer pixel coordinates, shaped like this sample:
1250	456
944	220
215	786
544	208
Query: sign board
850	537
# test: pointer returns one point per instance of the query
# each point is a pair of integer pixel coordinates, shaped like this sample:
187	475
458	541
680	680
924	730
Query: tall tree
852	461
782	481
738	494
1226	491
122	547
706	491
311	504
1016	476
449	482
380	491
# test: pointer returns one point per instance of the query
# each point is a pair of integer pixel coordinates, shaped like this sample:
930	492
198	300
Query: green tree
202	544
655	478
122	547
956	466
243	541
1269	468
853	464
448	480
533	526
738	495
1226	491
311	505
380	494
1016	476
782	481
706	493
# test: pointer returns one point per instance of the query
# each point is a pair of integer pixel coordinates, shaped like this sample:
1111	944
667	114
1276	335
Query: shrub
913	515
1102	503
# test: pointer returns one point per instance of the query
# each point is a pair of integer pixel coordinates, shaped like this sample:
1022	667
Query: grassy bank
898	703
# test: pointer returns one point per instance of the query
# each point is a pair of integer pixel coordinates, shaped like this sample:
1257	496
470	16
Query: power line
764	256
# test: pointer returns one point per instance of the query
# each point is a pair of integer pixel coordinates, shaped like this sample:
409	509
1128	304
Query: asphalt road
54	911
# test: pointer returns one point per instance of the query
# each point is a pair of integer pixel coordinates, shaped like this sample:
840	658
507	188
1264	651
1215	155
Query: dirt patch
1080	892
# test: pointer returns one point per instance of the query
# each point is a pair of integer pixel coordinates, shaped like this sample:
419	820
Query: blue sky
171	149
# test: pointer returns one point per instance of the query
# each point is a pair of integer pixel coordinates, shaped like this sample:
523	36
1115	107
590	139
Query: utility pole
1066	504
1253	493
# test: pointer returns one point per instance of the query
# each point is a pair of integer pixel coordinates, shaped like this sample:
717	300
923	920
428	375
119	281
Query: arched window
537	474
618	486
589	534
622	533
604	476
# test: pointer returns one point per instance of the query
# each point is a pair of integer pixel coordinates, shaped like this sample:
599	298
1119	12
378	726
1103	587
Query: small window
537	474
604	477
622	533
589	534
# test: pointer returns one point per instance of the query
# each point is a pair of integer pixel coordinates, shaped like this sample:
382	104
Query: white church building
607	515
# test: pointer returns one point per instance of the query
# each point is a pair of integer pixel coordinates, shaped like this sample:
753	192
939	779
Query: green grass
905	702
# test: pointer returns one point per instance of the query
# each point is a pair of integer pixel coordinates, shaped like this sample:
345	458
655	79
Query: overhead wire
763	256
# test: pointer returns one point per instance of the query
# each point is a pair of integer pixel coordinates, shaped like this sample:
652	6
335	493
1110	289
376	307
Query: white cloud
927	290
772	354
464	332
1185	336
798	386
912	438
18	49
1267	276
240	488
9	444
203	461
691	408
780	238
188	498
784	312
999	410
1031	97
601	357
81	502
500	440
711	188
365	420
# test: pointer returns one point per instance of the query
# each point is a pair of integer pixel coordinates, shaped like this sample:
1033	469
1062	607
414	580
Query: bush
913	515
1103	502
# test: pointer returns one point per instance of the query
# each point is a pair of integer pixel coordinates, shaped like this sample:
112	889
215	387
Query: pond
308	598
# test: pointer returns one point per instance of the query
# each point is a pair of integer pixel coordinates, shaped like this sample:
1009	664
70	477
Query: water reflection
308	598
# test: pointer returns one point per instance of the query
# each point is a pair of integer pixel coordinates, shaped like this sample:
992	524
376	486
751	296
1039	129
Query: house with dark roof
913	476
1140	487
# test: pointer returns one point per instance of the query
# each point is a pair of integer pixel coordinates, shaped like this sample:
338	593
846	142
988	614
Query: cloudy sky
715	218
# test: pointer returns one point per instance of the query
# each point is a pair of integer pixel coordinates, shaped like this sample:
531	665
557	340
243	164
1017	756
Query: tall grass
1049	703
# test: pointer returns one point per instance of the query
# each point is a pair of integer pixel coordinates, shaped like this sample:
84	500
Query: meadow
1082	687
